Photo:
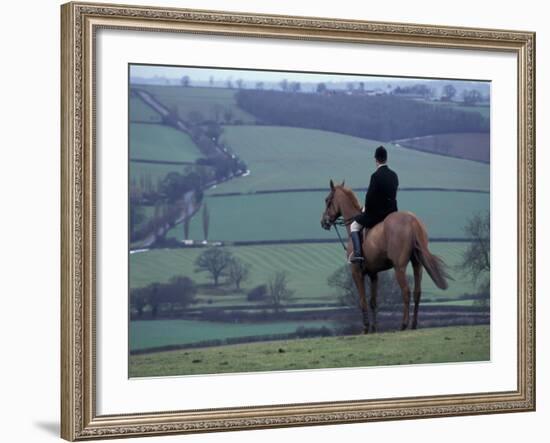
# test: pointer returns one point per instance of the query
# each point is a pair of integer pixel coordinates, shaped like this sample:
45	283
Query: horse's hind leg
373	300
417	270
401	277
359	279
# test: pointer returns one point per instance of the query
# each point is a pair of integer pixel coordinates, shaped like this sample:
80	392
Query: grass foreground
435	345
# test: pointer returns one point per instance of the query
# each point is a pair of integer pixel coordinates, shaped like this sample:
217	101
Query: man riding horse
395	239
380	201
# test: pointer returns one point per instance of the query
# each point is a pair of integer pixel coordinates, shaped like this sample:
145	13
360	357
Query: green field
154	333
437	345
308	267
141	111
283	158
207	101
292	215
161	143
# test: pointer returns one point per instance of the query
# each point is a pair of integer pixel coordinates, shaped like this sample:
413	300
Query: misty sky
204	74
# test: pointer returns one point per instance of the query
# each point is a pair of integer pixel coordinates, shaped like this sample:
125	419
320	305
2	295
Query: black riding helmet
381	154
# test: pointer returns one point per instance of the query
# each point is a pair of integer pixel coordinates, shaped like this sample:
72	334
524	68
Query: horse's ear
343	182
331	185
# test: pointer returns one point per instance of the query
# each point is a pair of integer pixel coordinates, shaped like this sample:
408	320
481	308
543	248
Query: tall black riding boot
357	256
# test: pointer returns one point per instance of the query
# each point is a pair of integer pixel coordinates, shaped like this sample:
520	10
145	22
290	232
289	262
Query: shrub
259	293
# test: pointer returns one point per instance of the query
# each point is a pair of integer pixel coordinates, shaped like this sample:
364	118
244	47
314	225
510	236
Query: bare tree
157	222
342	281
238	272
321	88
389	292
278	292
389	295
471	96
449	91
476	260
195	117
179	293
186	223
228	115
216	111
205	221
295	86
139	299
214	260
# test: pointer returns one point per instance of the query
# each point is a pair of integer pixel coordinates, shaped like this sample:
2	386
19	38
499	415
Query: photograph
274	219
288	220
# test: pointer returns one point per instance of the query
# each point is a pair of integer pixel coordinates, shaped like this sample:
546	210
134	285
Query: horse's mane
351	196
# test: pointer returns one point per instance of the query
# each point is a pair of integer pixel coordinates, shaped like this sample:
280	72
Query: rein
341	222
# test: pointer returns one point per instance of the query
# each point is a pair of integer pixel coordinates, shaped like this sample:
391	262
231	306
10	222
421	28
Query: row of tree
387	117
174	296
206	134
166	199
470	97
220	262
448	92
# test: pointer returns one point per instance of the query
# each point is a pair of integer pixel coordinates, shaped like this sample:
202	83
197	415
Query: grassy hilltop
437	345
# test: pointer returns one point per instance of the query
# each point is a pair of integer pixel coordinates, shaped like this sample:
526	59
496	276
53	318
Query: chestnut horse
393	243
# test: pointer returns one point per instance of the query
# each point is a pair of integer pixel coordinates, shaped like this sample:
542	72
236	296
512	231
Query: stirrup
356	259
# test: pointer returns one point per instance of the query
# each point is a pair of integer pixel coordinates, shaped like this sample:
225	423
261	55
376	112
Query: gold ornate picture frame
80	23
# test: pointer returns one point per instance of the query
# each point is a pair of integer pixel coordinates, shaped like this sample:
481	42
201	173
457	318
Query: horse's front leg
374	300
359	279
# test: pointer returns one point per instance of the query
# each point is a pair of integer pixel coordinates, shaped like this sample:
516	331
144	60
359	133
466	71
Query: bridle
339	221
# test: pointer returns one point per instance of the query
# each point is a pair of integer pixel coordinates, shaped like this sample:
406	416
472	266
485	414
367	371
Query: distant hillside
384	117
289	158
474	146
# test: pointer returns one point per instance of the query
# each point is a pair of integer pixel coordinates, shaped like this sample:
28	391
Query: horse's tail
434	265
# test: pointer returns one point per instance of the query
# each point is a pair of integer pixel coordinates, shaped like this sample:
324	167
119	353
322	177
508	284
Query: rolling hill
283	158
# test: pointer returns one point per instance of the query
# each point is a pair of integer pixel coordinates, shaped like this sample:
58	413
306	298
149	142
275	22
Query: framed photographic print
255	207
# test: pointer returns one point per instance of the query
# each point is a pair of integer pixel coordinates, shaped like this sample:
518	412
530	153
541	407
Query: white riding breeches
356	227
